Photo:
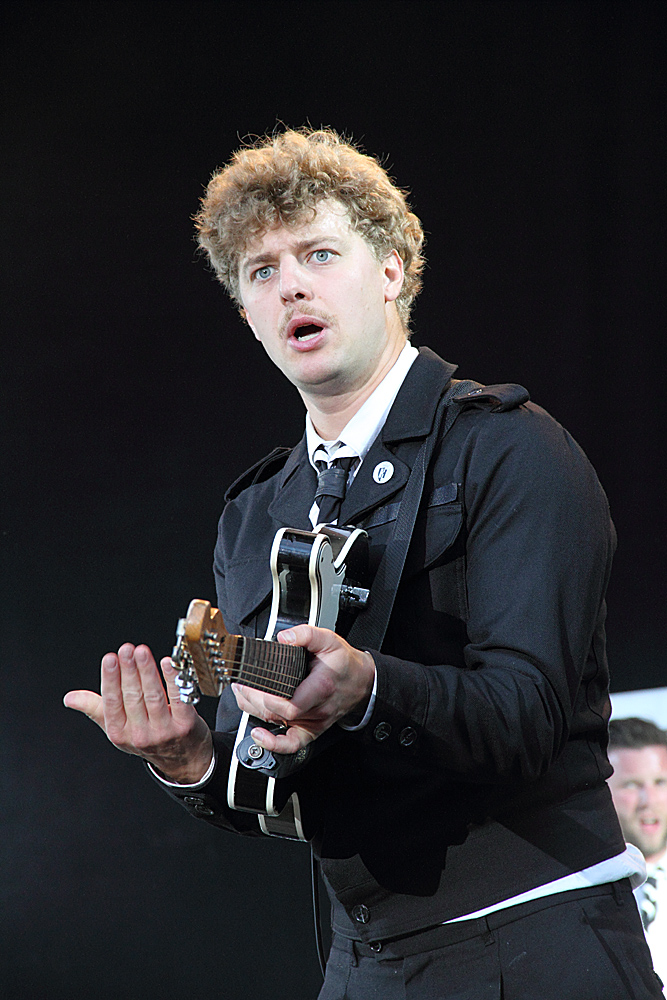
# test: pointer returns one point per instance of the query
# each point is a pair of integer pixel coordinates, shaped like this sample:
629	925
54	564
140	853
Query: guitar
317	579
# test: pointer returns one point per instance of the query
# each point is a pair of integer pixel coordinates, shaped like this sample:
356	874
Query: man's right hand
140	718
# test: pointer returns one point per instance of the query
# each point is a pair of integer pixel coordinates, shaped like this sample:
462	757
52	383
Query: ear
392	267
246	316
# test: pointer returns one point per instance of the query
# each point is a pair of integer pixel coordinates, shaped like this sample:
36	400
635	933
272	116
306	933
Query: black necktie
331	486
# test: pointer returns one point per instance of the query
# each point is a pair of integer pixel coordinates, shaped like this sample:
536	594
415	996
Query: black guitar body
319	578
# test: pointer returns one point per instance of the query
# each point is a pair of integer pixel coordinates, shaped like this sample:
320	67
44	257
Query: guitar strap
370	625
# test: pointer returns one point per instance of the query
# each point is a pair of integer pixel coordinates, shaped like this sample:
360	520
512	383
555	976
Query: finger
115	717
87	702
316	688
290	742
269	707
180	709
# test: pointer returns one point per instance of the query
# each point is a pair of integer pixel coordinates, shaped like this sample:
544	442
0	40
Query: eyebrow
300	247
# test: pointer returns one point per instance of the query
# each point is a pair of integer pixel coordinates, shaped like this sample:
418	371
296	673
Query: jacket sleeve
539	543
207	800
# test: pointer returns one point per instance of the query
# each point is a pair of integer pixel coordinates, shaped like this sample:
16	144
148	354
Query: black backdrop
531	135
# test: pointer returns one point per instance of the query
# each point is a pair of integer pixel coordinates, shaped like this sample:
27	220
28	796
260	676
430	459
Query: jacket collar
410	418
413	411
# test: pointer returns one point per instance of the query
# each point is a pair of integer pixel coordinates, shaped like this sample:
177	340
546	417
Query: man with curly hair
454	777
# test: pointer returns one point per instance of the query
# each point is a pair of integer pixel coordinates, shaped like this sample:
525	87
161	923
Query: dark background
531	136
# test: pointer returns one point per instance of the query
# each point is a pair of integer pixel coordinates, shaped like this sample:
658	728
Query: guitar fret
269	666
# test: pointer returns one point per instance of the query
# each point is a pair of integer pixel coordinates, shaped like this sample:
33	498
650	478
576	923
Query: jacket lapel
296	491
410	420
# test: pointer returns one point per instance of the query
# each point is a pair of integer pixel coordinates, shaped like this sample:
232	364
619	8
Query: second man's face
639	790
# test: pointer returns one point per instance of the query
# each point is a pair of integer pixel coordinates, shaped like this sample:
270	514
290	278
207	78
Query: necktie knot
331	486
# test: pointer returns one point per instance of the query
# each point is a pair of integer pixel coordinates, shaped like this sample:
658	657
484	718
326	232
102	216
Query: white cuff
368	712
176	784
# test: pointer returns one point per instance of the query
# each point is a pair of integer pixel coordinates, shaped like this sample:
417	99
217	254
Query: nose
294	281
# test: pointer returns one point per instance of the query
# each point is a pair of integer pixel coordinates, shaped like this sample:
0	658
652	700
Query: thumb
87	702
315	640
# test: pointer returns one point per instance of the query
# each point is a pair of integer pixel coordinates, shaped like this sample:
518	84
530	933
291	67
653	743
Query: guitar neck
265	665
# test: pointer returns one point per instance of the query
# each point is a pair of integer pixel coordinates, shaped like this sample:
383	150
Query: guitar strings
263	664
281	666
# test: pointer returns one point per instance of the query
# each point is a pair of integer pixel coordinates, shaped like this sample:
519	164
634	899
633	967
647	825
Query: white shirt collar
360	432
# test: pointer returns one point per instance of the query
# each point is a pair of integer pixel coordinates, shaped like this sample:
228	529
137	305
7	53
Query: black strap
370	626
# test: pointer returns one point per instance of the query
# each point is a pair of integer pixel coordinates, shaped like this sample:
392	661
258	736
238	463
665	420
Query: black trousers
587	944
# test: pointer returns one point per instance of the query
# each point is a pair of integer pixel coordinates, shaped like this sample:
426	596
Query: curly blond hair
280	179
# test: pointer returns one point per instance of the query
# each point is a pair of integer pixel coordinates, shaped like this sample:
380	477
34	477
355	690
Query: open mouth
307	331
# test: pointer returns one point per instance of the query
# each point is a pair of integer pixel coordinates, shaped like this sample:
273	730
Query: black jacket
481	773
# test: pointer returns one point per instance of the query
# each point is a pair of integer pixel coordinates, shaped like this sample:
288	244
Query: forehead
644	764
330	219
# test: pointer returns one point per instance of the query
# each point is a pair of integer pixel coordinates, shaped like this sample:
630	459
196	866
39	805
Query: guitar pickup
353	598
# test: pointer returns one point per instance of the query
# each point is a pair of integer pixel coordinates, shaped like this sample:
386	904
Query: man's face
321	304
639	790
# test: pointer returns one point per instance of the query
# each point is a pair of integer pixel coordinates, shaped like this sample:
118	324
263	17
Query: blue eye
322	256
262	273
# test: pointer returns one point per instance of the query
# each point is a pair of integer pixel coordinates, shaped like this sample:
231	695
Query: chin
649	848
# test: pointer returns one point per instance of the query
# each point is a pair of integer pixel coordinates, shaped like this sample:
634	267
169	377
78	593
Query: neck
654	858
331	413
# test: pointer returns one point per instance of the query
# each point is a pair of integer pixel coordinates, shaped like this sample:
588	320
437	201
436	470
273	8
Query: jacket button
381	731
198	805
375	946
361	914
407	736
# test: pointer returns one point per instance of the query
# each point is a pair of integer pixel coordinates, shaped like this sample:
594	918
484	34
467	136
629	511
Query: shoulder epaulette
497	398
259	472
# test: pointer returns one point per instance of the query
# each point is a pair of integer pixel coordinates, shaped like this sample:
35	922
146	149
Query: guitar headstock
199	655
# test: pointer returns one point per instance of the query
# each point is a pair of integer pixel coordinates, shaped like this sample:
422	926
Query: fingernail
289	636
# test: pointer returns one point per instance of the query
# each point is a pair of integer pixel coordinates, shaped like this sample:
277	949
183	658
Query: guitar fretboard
209	658
268	666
